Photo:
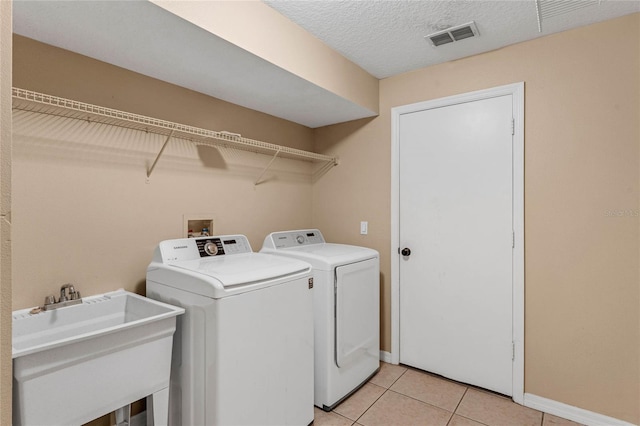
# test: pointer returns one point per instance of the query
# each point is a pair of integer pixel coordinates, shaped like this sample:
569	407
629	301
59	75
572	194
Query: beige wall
81	204
83	212
582	139
5	212
80	196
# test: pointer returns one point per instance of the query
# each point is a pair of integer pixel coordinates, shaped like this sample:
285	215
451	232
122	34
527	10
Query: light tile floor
404	396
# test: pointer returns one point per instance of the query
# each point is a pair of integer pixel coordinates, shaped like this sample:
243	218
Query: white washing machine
243	351
346	310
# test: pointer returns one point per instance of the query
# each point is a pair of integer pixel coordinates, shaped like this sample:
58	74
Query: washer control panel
196	248
218	246
210	247
287	239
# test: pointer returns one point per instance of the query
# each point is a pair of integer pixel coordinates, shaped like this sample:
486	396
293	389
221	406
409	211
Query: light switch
364	228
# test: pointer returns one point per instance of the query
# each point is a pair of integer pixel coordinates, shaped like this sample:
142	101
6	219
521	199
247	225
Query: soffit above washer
143	37
387	37
383	37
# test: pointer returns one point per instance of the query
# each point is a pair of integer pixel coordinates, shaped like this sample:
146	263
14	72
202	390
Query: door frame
517	92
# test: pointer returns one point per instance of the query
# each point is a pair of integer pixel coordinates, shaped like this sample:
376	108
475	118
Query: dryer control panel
281	240
196	248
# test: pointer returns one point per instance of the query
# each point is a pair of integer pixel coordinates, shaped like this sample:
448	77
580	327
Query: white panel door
456	219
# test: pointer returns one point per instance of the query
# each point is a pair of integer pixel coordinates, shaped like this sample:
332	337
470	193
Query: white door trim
517	91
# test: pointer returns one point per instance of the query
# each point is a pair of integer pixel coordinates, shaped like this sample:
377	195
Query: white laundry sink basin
77	363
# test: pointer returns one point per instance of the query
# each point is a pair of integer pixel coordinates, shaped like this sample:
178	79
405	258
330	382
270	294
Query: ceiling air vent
550	8
453	34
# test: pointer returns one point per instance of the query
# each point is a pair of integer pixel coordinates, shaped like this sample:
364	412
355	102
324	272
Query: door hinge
513	126
513	351
513	239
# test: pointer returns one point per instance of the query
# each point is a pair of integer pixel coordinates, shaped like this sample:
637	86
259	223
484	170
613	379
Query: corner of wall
5	210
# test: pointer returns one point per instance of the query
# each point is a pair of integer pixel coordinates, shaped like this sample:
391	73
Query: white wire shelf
27	100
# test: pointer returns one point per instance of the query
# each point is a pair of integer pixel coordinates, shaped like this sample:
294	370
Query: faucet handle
49	300
63	293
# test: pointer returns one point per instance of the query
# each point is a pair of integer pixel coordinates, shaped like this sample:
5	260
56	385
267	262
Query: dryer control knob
300	239
211	249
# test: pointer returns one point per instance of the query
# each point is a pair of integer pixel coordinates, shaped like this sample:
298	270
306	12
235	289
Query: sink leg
158	408
123	416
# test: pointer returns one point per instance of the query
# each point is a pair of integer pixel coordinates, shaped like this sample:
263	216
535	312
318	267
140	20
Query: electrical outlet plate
194	223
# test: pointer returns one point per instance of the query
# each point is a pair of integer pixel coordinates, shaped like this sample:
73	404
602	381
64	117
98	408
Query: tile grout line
372	404
450	418
394	382
426	403
346	418
386	389
466	388
473	420
465	417
454	412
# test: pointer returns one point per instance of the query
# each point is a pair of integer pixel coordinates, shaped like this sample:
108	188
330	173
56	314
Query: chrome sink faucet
72	299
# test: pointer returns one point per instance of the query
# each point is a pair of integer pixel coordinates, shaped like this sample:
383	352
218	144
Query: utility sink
74	364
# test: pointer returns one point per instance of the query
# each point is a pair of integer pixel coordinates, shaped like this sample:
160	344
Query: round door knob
406	252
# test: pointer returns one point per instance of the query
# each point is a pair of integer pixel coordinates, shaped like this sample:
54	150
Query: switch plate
364	228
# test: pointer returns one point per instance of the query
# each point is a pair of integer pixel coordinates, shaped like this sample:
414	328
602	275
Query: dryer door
357	293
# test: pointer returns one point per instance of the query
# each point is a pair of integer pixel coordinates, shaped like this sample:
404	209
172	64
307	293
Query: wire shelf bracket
27	100
164	145
259	180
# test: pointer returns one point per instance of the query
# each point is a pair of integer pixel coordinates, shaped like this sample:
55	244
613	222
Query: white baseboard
385	356
570	412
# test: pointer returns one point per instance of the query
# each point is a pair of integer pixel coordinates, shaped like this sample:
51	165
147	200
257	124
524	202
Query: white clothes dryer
243	351
346	306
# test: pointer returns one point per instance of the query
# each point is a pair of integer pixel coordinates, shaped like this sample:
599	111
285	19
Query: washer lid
243	269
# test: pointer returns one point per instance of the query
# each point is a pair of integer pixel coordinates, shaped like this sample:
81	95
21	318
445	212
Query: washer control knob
300	239
211	249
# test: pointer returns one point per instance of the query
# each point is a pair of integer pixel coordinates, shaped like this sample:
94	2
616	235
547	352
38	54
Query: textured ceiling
383	37
387	37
